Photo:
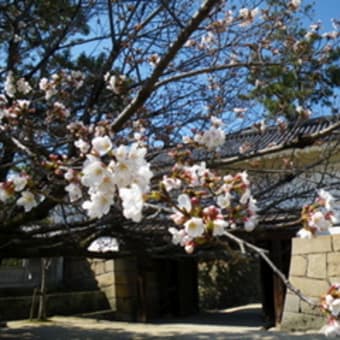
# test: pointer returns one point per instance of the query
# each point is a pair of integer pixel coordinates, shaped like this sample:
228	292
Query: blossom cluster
108	170
57	81
319	216
207	204
14	86
16	188
330	304
244	17
212	138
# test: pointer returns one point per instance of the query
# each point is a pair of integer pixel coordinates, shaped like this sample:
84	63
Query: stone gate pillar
315	265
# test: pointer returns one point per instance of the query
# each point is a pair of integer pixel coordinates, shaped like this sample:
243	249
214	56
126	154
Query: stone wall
74	286
104	274
315	265
82	274
62	303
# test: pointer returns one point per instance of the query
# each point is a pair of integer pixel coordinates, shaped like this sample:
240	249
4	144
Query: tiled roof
253	140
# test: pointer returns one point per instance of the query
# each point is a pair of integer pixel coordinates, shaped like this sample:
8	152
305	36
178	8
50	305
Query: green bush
229	283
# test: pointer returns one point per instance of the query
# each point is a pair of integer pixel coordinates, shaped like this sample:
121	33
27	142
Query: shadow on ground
239	316
74	333
232	324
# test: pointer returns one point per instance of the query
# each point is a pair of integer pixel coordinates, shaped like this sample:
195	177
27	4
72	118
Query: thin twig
262	252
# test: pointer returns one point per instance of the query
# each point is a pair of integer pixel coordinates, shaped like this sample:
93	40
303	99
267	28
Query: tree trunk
42	295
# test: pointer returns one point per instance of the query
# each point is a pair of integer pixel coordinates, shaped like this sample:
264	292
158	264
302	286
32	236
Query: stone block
317	266
308	309
310	287
105	279
336	242
334	279
109	292
109	266
301	322
333	264
298	266
292	303
320	244
113	303
97	267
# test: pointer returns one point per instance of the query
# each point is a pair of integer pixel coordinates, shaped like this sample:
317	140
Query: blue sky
325	10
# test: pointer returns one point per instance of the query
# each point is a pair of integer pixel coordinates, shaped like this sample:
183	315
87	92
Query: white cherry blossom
18	181
212	138
70	174
244	177
179	236
4	193
334	307
107	185
219	227
194	227
332	329
82	145
216	121
304	233
171	183
245	197
247	16
132	201
142	177
93	173
23	86
27	201
9	85
250	223
223	201
295	3
23	104
115	83
177	217
101	145
74	191
48	87
196	173
328	199
131	167
99	205
318	221
189	247
252	207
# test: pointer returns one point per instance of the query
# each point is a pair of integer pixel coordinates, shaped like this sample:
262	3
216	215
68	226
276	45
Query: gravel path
233	324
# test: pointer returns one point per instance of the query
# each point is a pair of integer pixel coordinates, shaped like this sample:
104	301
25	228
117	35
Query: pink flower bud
189	247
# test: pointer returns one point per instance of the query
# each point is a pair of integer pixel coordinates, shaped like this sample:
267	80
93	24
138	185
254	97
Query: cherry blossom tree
114	117
96	94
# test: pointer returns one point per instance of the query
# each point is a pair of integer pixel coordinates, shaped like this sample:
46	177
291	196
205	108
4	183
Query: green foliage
227	283
304	71
11	262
